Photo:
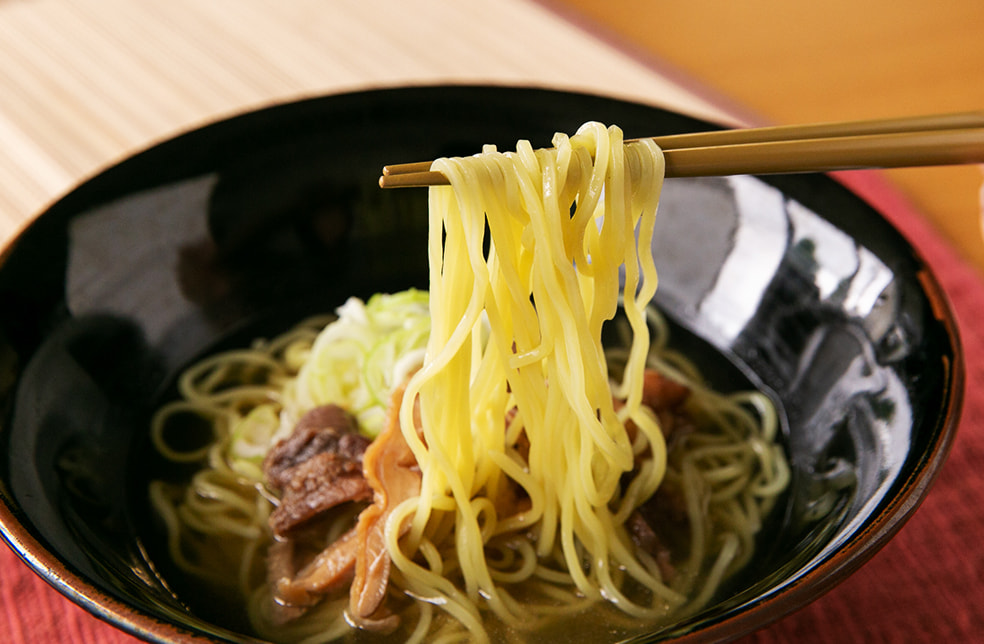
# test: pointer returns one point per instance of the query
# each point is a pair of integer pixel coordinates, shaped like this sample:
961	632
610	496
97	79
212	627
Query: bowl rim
79	590
817	581
887	521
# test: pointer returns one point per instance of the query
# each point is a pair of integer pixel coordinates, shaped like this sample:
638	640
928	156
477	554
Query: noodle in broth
534	450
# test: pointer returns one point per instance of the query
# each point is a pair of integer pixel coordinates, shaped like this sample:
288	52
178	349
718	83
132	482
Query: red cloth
927	584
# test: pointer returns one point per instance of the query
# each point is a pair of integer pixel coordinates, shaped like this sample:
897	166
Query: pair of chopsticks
947	139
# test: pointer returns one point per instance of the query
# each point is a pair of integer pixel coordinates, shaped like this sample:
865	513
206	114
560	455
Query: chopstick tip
413	180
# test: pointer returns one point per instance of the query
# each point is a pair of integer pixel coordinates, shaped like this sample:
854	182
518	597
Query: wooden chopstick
948	139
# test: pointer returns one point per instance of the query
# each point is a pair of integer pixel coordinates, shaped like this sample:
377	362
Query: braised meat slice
646	539
317	485
327	428
316	468
665	512
667	399
659	392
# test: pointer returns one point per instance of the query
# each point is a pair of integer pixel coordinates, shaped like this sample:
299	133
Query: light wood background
86	83
788	62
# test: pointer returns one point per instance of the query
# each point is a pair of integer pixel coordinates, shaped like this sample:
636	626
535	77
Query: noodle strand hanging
502	463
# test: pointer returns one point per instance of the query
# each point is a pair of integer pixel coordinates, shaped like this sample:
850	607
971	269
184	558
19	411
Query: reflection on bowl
242	228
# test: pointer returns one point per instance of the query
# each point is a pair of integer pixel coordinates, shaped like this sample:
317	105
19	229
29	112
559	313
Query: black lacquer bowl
245	226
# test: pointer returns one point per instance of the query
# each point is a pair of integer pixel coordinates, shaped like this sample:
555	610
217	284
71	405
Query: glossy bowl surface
243	227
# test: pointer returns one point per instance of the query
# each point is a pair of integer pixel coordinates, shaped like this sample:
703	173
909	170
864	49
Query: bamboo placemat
85	83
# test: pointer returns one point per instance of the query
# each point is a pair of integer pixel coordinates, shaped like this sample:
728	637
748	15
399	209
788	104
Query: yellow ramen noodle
534	443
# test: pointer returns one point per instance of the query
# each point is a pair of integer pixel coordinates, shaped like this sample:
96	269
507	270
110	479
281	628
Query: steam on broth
474	462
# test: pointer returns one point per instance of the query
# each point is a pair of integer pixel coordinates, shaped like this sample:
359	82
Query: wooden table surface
770	62
799	62
84	84
766	61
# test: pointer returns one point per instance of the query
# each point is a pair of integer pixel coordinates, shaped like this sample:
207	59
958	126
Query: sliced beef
316	468
659	392
664	513
646	539
317	485
327	428
667	399
280	565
